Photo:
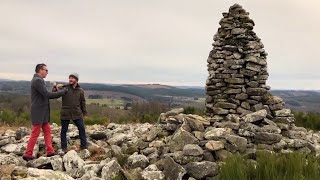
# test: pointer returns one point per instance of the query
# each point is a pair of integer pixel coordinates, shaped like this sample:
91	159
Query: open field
106	101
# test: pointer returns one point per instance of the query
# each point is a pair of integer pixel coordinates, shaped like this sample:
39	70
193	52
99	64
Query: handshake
57	87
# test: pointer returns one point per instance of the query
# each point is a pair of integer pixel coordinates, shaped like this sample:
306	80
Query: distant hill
297	100
300	100
1	80
145	91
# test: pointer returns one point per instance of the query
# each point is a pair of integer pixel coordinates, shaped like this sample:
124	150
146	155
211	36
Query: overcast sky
149	41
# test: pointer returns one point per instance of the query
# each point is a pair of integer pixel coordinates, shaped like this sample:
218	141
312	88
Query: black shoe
28	158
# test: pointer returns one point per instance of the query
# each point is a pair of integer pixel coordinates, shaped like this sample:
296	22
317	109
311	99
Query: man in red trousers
40	111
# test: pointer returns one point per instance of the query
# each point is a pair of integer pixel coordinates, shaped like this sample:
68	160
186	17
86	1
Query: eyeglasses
45	70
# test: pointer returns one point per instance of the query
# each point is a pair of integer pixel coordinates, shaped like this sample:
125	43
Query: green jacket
73	104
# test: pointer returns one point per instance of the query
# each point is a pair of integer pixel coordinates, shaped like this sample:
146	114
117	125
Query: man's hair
39	66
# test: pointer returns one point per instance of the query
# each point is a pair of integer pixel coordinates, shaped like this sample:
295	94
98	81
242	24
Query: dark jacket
73	104
40	106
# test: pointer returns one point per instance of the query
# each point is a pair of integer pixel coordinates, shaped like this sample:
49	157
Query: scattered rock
203	169
111	170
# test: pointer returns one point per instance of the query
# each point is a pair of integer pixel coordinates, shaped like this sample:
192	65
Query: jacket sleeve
83	104
41	88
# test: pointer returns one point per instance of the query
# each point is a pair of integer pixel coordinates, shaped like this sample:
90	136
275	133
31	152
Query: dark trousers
82	133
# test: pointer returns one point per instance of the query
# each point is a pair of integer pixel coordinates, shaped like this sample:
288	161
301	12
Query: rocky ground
180	146
242	117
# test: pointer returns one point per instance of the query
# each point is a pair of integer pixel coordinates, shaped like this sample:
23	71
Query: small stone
256	116
256	91
192	150
237	31
283	113
220	111
225	105
241	96
22	132
174	112
217	133
214	145
274	100
245	105
234	80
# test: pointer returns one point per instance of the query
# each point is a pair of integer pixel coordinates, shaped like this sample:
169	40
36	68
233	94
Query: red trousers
36	129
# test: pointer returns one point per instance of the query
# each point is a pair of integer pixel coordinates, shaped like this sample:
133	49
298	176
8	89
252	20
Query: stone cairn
242	117
238	71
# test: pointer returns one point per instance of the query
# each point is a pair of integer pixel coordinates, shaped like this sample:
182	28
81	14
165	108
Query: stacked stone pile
238	72
242	118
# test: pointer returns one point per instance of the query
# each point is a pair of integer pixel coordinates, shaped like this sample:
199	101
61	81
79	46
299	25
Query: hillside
295	99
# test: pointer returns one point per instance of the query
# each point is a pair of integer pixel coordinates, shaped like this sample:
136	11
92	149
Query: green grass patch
293	166
310	120
106	102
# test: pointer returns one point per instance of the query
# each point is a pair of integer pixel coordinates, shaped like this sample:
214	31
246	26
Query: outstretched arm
41	88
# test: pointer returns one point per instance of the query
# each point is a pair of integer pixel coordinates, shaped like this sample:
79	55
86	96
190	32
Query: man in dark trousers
40	111
73	108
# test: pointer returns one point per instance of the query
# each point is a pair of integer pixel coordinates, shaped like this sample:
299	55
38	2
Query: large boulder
152	172
73	164
9	159
117	139
267	138
180	139
111	170
172	170
239	142
201	170
45	174
136	160
192	150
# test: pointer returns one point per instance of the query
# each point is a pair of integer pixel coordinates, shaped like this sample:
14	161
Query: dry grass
97	153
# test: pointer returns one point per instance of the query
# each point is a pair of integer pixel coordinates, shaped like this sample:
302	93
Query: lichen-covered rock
239	142
73	164
214	145
111	170
45	174
192	150
172	170
201	170
180	139
217	133
135	161
256	116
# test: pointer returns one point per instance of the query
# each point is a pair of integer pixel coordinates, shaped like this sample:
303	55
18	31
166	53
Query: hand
54	89
59	86
85	117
